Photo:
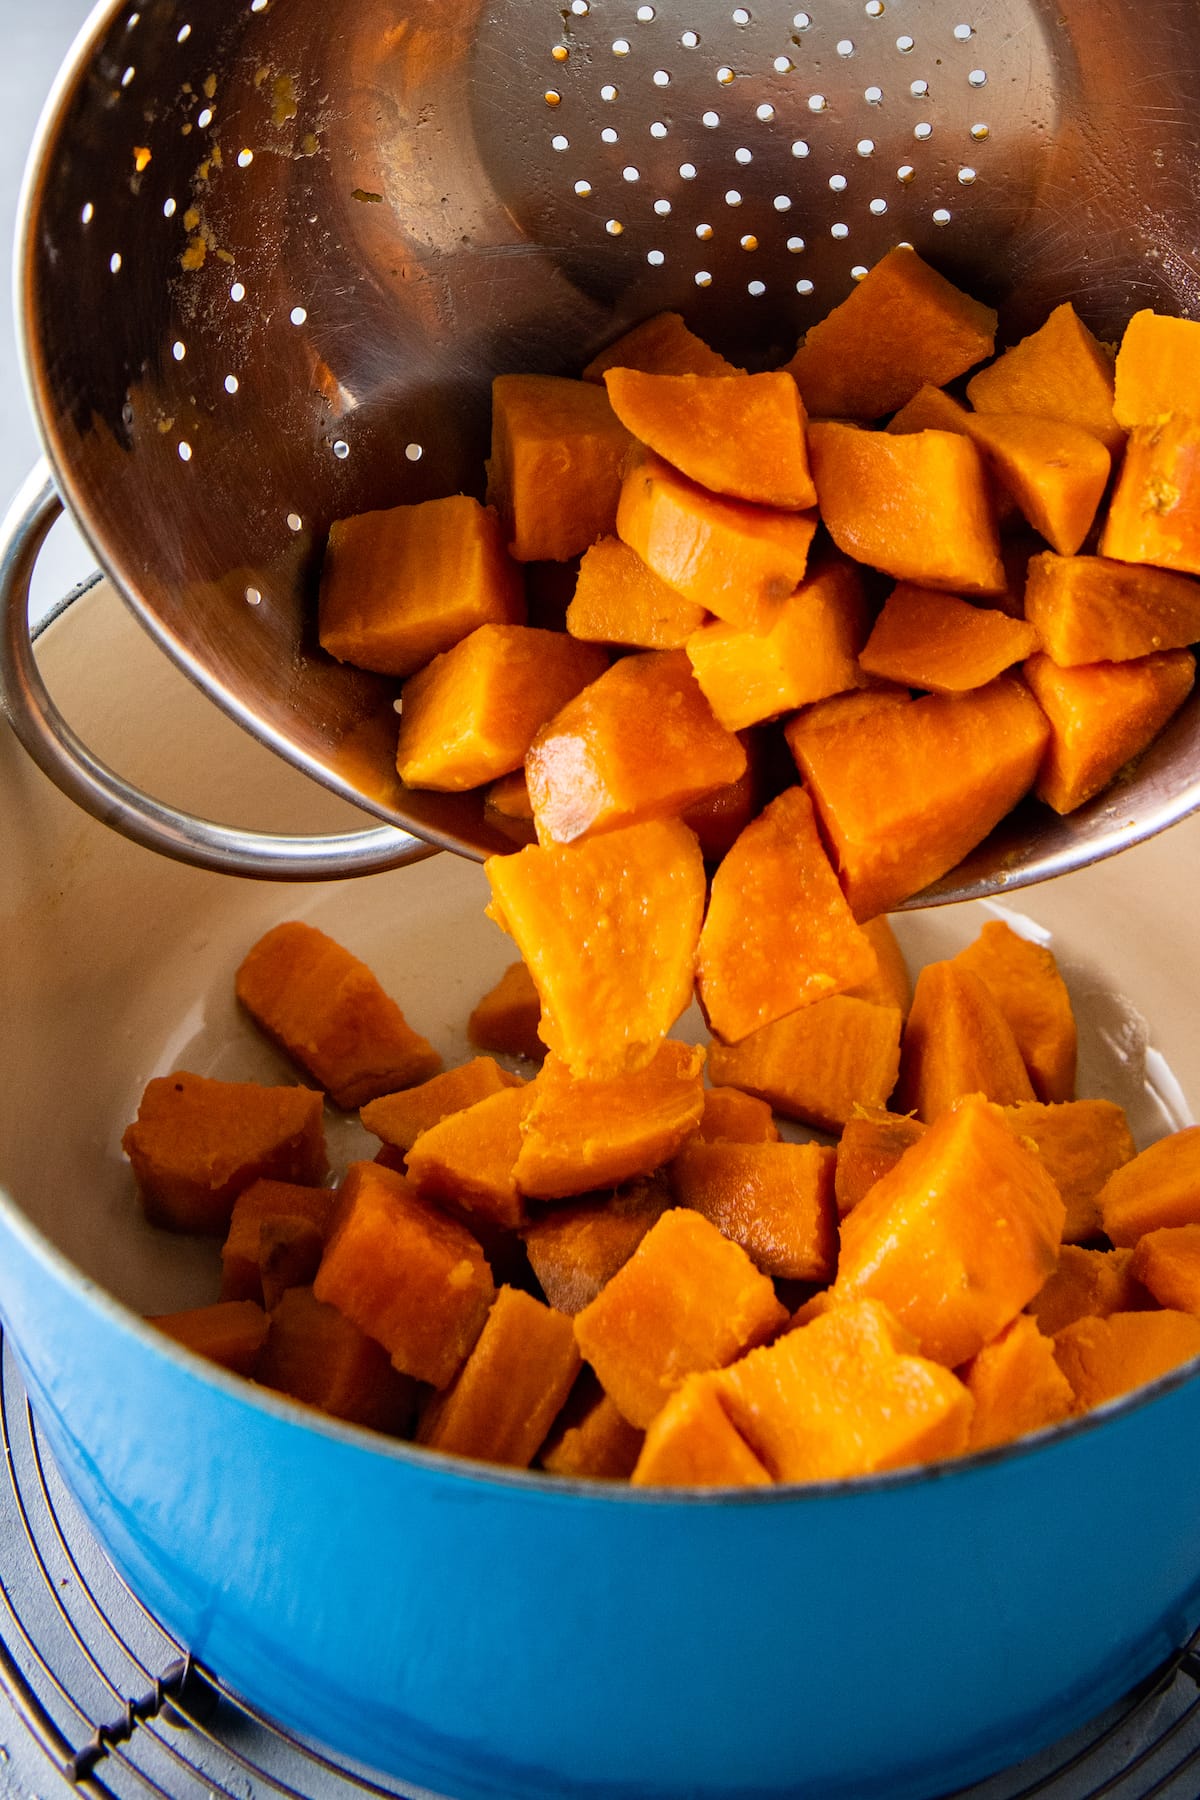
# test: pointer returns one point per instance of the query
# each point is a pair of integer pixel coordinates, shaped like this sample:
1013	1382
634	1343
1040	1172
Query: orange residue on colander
285	105
141	157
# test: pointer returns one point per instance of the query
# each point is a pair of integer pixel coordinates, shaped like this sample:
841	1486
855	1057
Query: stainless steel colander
275	250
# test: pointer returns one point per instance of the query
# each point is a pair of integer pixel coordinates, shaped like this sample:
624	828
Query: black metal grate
110	1703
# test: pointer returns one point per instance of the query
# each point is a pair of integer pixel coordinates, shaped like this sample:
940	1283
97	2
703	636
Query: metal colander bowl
275	250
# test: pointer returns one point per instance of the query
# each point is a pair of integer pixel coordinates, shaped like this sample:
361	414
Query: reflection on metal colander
111	1703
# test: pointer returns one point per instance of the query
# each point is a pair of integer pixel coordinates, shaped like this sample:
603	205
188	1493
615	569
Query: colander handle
100	791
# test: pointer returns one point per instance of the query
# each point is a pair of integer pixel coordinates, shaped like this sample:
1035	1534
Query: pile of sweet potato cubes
726	779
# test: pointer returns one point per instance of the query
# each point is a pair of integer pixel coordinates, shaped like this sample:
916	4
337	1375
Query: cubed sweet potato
506	1019
1154	513
1023	978
1159	1187
590	1440
1081	1143
618	599
817	1065
1087	1284
1055	471
249	1257
230	1333
924	639
1167	1263
468	1159
774	1199
891	984
692	1443
576	1248
511	1387
1060	371
662	345
399	1119
555	470
314	1353
732	1117
1101	716
1104	1358
1090	609
872	1143
1158	369
1017	1386
957	1041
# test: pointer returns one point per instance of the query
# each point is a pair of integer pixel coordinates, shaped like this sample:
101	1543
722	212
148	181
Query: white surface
36	39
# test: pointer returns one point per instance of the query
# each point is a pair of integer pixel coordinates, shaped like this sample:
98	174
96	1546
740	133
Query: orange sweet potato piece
1023	979
732	1117
845	1395
248	1257
872	1143
692	1443
662	345
399	1119
719	819
608	928
327	1011
1089	609
957	1041
1158	1188
891	984
468	1159
618	599
916	505
686	1300
639	743
590	1440
197	1143
818	1064
958	1237
511	1387
579	1134
1154	513
315	1354
1102	715
230	1333
507	1017
904	788
575	1249
1017	1386
1060	371
1104	1358
1055	471
808	652
1158	369
774	1199
1086	1284
931	409
901	326
473	712
929	640
555	470
1081	1143
738	560
399	586
405	1274
1167	1263
738	435
778	933
508	798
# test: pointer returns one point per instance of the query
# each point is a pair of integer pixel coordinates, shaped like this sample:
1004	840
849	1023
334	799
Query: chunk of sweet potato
872	1142
692	1443
1055	471
618	599
1089	609
719	819
958	1237
904	788
590	1440
608	928
732	1117
957	1041
197	1143
901	326
931	409
809	651
468	1159
1101	716
399	1119
1167	1263
915	506
662	345
576	1248
1154	513
328	1012
1017	1386
579	1134
555	470
738	435
1024	980
399	586
1158	369
686	1300
891	984
774	1199
1081	1143
738	560
818	1064
847	1394
778	933
314	1353
511	1387
1087	1284
230	1333
1159	1187
247	1257
405	1274
641	742
936	641
471	714
507	1017
1104	1358
1060	371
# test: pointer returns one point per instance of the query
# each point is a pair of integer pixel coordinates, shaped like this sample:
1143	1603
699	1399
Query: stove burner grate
120	1710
